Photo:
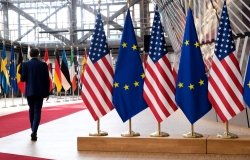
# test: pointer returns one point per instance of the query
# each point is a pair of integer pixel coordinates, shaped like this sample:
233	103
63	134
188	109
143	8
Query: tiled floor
57	139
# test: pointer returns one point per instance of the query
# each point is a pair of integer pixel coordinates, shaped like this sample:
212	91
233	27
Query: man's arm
46	75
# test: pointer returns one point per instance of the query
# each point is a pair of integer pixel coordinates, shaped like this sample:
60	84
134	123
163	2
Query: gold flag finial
191	4
128	1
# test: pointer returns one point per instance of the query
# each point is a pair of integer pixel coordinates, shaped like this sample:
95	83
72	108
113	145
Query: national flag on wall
13	80
129	75
98	76
192	82
46	60
246	94
57	72
65	72
225	80
20	84
4	72
84	63
159	85
72	70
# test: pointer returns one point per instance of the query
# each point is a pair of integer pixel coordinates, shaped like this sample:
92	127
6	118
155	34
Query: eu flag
246	94
129	76
192	82
13	80
4	72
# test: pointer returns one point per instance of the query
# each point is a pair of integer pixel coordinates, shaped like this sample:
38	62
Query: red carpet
19	121
7	156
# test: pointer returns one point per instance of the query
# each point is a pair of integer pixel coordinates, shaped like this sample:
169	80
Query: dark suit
35	74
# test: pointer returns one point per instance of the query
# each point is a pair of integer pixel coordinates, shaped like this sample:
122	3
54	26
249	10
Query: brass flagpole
159	133
130	133
227	134
99	132
192	134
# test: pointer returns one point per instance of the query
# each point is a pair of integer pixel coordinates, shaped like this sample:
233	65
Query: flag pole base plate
22	104
101	133
130	134
159	134
73	99
13	105
227	135
192	135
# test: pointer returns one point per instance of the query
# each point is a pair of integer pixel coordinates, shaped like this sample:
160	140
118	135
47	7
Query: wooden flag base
173	144
142	144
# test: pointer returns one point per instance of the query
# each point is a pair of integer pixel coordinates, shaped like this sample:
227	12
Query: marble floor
58	139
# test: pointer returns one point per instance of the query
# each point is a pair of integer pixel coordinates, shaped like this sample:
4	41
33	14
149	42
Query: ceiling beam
58	9
36	22
110	20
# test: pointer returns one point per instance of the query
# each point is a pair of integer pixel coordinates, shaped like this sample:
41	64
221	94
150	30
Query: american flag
225	80
98	76
159	85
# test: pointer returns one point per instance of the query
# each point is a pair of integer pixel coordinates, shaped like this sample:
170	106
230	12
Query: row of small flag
132	88
64	77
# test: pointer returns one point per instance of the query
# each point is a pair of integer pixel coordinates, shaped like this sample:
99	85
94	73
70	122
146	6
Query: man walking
35	74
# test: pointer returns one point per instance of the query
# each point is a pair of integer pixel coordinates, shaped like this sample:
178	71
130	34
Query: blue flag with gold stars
13	81
192	82
246	94
129	75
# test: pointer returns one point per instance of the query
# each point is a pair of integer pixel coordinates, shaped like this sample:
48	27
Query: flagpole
5	101
130	133
99	132
77	60
65	97
72	63
227	134
22	104
159	133
12	95
57	99
192	134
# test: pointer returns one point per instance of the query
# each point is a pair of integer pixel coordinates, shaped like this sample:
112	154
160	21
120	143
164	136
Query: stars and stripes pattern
98	76
159	85
225	80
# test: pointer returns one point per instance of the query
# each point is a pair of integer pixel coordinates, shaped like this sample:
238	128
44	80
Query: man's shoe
33	137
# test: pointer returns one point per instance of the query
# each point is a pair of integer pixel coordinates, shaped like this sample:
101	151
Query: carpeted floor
19	121
7	156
